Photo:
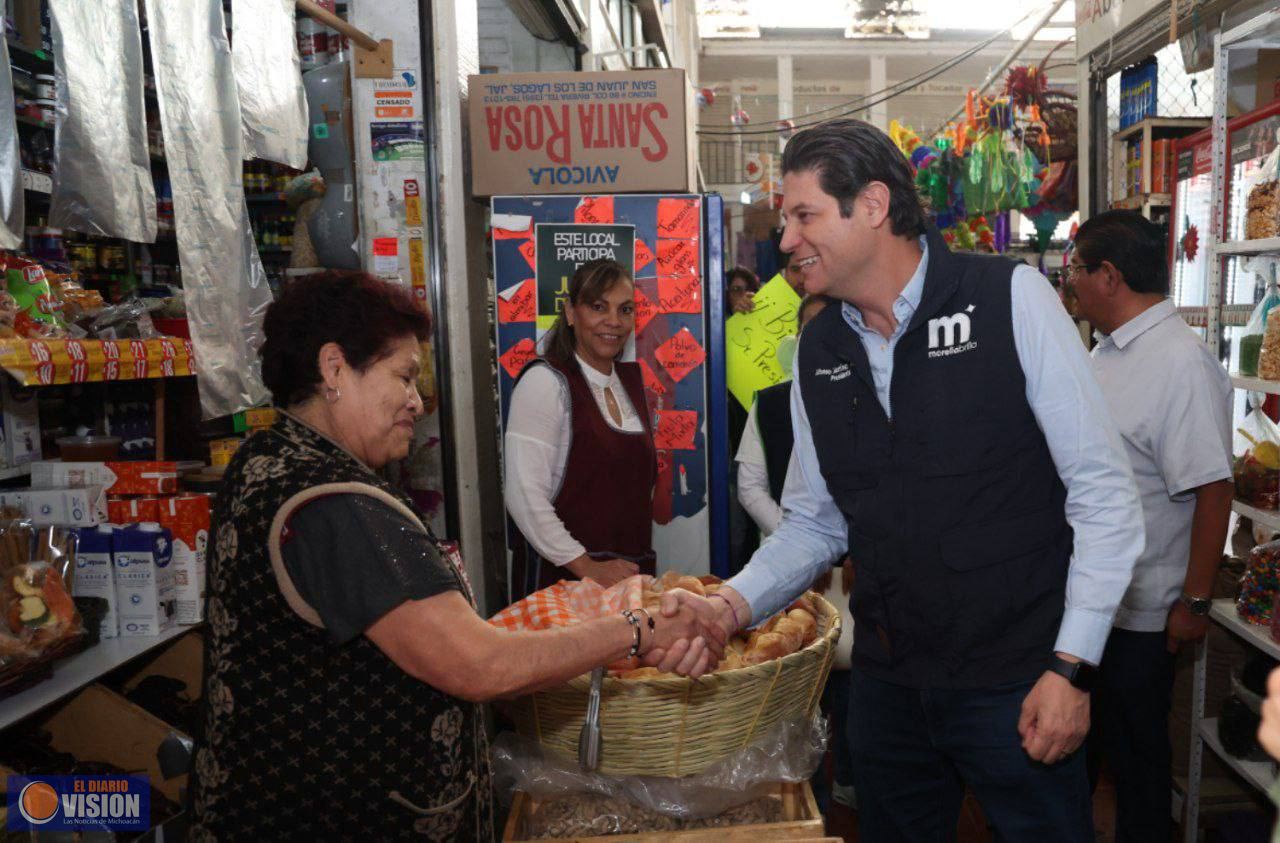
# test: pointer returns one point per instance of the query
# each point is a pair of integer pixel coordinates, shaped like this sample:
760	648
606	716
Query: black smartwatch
1198	606
1080	674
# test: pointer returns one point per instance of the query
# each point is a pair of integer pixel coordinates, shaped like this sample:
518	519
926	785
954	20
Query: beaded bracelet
653	627
635	629
737	623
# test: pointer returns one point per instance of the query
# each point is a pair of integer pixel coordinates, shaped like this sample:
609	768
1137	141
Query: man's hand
714	628
1184	627
1269	729
604	571
1055	718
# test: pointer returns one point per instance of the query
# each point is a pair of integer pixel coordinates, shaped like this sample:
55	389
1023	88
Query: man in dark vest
949	435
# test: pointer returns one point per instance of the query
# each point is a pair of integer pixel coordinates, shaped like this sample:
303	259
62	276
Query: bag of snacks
37	606
39	309
1262	197
1259	585
1254	330
1256	468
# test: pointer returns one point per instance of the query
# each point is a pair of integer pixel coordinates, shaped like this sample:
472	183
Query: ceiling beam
855	47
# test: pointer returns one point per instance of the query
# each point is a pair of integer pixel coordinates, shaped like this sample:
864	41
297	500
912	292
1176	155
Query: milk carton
143	557
95	576
187	518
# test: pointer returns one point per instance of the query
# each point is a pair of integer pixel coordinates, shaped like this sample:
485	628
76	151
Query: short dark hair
1131	243
589	284
362	314
753	282
846	155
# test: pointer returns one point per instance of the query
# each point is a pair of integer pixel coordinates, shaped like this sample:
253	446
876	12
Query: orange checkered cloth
569	602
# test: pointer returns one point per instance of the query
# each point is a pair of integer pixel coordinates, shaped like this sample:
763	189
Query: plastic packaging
12	199
789	752
1254	329
1256	466
1259	585
37	607
273	107
38	307
1262	196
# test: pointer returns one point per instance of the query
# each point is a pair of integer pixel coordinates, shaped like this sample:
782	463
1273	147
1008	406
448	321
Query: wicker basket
676	726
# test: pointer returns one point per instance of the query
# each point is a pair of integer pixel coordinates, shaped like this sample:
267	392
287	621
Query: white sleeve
750	448
753	494
535	452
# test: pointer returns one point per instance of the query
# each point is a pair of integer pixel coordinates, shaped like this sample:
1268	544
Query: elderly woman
345	659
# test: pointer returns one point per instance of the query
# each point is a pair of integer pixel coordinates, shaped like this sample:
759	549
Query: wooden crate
802	821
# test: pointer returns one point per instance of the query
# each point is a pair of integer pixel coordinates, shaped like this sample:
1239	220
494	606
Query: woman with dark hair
742	286
345	660
579	454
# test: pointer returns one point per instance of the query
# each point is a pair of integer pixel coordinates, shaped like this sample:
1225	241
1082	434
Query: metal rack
1261	32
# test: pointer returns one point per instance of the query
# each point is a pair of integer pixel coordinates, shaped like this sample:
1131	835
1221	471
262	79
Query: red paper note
510	234
529	249
644	255
677	257
651	381
522	306
515	358
676	430
594	209
680	355
679	217
645	311
679	295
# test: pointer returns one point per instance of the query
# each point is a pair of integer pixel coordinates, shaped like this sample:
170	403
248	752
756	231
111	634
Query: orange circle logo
38	802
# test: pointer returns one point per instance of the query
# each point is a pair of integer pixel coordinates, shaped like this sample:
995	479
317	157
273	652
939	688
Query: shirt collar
1140	324
908	300
594	376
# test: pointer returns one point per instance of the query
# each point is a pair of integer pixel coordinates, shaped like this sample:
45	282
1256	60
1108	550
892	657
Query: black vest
773	417
955	510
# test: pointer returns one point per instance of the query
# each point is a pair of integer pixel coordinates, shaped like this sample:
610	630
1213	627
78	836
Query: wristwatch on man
1198	606
1081	675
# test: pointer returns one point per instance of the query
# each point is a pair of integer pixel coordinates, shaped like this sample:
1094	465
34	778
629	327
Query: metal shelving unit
1262	31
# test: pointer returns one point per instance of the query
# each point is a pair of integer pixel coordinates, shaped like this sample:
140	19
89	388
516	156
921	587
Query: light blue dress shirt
1102	504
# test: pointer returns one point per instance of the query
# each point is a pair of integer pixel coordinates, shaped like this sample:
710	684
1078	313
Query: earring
332	394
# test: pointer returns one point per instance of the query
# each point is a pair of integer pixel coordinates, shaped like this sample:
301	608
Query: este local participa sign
580	133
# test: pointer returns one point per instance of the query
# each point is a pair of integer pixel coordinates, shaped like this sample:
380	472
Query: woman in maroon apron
579	455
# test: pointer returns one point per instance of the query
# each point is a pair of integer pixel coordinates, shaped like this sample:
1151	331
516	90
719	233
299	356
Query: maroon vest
606	497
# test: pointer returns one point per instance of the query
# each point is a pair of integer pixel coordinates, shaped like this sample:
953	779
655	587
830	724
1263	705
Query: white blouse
753	477
536	450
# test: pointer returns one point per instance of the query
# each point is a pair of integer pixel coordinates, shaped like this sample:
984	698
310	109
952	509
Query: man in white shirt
1171	400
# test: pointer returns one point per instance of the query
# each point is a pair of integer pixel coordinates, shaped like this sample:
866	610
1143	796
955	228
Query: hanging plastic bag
1262	199
1256	464
1254	329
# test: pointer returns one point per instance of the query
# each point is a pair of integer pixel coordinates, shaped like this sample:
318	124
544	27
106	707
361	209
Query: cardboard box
132	510
222	450
1162	166
117	478
181	659
143	558
580	133
85	507
21	423
187	519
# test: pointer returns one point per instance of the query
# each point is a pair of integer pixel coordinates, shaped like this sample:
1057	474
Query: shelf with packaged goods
1260	774
50	362
1245	248
1253	384
74	672
37	61
1143	200
1224	614
23	120
1262	516
1155	123
15	471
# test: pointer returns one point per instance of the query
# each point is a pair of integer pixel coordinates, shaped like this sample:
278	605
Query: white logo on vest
949	335
838	373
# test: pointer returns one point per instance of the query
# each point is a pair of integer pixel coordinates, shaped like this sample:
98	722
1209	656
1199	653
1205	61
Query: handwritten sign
597	210
680	218
518	356
680	355
645	311
676	430
529	250
644	255
651	381
751	340
679	295
677	257
518	303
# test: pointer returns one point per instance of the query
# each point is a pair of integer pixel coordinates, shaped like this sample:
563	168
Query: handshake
691	632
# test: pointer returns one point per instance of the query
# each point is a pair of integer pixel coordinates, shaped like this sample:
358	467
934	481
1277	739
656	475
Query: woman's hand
1269	730
744	303
604	571
685	639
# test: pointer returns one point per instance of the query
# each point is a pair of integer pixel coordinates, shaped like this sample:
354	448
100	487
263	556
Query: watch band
1198	606
1080	674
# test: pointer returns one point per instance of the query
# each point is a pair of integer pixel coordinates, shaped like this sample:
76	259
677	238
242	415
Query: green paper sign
752	339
